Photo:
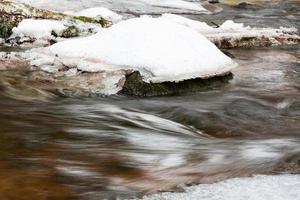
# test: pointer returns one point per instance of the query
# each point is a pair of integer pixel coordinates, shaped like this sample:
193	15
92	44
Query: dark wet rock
290	164
245	5
227	53
213	1
135	86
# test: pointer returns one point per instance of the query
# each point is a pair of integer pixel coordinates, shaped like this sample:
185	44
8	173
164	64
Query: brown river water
119	147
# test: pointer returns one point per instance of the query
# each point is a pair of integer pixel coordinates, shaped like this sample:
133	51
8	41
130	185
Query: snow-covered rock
282	187
41	32
100	12
38	28
159	49
231	34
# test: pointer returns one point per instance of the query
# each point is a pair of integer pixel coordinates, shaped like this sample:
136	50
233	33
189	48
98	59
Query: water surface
55	147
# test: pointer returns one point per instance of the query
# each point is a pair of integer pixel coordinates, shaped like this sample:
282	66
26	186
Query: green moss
102	22
71	31
7	23
135	86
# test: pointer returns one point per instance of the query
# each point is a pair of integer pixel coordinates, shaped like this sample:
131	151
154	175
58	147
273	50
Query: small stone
70	32
213	1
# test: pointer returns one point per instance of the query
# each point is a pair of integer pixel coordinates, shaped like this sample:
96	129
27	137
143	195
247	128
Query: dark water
121	147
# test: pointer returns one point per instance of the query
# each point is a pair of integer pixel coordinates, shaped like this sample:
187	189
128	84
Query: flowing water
121	147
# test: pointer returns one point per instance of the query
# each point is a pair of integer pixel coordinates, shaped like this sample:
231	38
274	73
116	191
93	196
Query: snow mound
100	12
159	49
38	28
283	187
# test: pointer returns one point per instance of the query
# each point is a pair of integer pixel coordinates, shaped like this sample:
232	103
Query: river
119	147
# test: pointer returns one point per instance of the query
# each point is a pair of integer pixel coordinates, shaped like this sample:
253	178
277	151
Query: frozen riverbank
283	187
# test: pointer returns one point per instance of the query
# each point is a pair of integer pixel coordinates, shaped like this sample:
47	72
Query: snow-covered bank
160	50
231	34
282	187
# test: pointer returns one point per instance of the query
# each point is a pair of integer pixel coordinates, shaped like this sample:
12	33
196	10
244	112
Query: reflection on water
95	148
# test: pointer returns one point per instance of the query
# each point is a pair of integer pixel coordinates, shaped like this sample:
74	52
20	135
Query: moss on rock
135	86
70	32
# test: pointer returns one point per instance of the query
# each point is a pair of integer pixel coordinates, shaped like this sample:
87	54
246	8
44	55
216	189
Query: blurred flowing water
121	147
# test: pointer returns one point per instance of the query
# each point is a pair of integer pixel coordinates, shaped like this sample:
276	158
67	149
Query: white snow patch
100	12
281	187
161	50
39	32
38	28
231	25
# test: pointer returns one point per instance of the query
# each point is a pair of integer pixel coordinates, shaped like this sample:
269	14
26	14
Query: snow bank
283	187
38	28
161	50
231	30
100	12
